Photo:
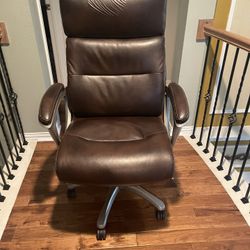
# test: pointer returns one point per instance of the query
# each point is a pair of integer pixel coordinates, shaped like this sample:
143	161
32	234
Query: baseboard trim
186	131
38	136
15	185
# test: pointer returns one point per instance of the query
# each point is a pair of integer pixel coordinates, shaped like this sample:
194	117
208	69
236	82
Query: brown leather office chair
115	93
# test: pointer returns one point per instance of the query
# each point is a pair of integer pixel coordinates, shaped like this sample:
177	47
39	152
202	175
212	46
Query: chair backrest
115	56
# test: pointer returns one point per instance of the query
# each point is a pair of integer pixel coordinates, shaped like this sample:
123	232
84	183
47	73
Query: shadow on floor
129	214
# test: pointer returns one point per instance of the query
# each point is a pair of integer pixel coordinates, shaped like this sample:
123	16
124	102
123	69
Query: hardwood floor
201	214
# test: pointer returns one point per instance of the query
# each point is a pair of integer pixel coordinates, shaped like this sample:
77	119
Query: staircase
221	132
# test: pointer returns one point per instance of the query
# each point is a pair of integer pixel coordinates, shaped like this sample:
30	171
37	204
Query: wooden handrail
3	35
228	37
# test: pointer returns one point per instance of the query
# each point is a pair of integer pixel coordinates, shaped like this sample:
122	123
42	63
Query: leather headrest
113	18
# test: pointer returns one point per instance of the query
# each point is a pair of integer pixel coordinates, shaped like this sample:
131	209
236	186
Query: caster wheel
160	215
101	234
71	193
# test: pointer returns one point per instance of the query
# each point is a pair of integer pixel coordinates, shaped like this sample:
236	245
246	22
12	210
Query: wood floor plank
193	235
223	245
163	247
201	216
72	242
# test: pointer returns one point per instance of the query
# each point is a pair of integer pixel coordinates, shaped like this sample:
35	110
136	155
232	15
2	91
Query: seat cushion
115	151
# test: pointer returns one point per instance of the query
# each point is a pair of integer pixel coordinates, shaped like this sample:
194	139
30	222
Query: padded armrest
179	103
49	102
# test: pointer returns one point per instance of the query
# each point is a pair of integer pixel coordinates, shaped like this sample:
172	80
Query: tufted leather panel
116	76
122	95
113	18
115	151
115	56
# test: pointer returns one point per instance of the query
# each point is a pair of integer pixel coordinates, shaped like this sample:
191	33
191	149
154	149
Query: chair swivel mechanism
116	135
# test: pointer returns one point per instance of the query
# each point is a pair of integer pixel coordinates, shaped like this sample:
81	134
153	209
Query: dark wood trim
228	37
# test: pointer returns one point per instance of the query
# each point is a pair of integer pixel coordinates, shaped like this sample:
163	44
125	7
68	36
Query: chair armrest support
180	108
49	107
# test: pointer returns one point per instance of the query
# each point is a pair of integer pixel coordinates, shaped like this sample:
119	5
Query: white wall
175	30
25	58
241	26
193	52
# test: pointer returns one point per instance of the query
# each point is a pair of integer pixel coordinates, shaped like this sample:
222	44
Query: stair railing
205	121
12	137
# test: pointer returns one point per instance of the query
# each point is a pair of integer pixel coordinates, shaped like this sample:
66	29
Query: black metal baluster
12	95
201	88
13	99
22	150
10	175
14	166
6	186
236	188
2	198
225	103
238	138
233	117
208	94
245	199
18	157
216	99
6	74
